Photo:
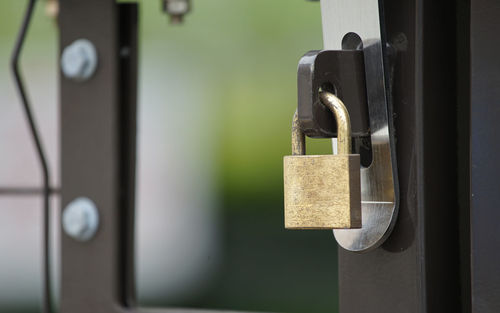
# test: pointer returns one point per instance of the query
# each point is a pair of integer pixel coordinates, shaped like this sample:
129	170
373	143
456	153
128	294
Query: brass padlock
323	191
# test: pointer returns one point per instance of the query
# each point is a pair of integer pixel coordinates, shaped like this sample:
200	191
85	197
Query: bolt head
176	9
80	219
79	60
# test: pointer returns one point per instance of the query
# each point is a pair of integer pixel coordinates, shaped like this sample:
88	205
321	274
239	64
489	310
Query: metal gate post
98	155
484	149
418	268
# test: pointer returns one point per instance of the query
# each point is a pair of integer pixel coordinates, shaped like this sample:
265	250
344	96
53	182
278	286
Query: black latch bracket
341	72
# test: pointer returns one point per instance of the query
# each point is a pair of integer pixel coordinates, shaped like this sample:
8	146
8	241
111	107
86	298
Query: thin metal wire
46	305
26	191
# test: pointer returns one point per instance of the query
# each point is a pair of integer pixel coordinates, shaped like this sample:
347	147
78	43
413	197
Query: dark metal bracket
341	72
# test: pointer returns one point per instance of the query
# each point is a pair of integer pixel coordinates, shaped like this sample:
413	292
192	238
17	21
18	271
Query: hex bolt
79	60
80	219
176	9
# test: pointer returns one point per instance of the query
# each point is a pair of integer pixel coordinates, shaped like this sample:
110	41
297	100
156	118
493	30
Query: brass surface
298	138
52	8
323	191
339	110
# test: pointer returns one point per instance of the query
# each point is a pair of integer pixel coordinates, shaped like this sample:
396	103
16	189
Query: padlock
323	191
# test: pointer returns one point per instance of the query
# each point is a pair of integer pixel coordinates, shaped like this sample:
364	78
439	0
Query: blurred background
209	228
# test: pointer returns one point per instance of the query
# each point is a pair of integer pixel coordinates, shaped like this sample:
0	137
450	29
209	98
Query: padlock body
322	191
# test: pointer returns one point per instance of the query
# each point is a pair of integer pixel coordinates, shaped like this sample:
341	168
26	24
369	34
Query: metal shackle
339	110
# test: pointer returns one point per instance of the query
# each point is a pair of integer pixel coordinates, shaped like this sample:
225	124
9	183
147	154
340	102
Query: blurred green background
235	65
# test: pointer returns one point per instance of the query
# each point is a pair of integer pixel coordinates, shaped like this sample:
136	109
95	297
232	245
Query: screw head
80	219
79	60
176	9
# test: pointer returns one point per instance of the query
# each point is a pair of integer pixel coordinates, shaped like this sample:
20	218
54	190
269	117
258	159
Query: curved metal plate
379	192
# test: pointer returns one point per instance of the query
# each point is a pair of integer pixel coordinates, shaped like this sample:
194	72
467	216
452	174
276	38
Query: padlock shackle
341	114
339	110
298	137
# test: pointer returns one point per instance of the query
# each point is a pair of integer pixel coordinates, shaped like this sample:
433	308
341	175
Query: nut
80	219
79	60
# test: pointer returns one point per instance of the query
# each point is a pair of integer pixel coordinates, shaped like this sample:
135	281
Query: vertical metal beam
485	148
128	54
98	155
418	268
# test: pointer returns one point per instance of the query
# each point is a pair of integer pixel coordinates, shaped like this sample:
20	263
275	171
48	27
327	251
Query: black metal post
419	268
98	155
484	150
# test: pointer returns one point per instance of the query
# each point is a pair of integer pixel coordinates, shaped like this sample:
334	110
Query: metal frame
98	155
98	144
421	267
484	148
